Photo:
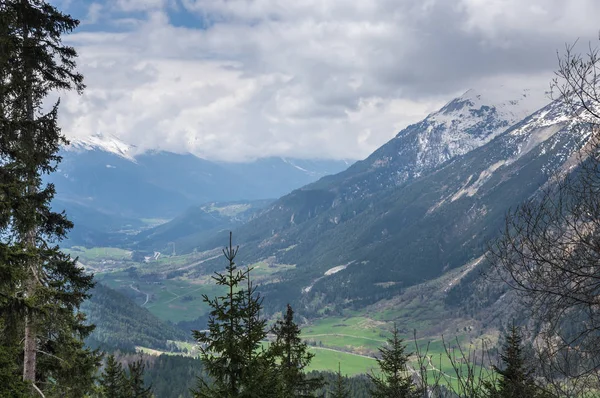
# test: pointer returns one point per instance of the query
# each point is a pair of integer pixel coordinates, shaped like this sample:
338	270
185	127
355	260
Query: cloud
319	78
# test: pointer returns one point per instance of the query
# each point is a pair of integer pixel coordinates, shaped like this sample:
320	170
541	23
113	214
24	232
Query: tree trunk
30	339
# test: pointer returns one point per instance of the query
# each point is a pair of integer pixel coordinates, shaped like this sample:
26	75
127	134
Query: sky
237	80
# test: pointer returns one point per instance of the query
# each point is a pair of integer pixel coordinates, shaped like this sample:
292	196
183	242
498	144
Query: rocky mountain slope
393	221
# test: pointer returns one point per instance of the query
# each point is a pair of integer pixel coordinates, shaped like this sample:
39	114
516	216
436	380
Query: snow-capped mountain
462	125
101	142
466	123
395	221
103	174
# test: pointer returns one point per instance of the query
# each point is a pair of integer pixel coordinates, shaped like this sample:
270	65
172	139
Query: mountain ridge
385	237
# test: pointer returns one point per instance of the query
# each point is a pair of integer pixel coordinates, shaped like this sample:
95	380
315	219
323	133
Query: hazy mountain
99	182
196	224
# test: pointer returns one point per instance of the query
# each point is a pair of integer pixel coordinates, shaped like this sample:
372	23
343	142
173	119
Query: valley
398	238
208	199
165	289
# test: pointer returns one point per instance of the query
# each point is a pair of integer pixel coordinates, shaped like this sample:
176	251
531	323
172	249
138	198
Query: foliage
339	389
231	349
116	383
395	380
173	375
135	381
515	377
112	381
293	357
121	324
11	384
44	287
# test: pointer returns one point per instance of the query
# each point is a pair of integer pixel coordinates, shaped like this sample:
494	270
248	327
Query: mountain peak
103	142
511	105
470	121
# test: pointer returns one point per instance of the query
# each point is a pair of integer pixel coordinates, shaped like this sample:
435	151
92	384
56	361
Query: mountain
197	223
393	221
463	124
101	181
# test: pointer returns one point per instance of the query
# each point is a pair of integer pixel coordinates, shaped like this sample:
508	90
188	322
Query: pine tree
113	383
11	384
515	377
135	381
230	348
42	287
293	357
340	390
395	381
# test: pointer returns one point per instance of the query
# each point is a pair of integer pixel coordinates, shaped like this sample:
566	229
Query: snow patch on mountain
470	121
522	139
103	142
472	189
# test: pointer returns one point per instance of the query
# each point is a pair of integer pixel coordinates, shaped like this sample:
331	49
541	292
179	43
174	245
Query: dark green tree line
116	383
41	288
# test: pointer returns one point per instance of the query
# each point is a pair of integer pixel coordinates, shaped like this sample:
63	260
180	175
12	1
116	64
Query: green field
172	300
350	364
98	253
351	341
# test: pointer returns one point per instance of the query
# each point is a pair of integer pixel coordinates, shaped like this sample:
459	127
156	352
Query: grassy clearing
358	333
98	254
171	300
263	271
351	364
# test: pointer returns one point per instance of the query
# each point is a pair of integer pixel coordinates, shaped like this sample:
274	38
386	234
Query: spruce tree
395	380
340	390
41	287
11	384
293	357
230	349
113	383
135	381
515	378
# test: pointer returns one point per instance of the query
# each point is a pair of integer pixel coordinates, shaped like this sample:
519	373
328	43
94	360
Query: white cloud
94	13
317	78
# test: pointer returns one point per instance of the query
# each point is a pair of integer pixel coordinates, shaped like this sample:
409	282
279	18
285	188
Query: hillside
196	224
376	236
120	323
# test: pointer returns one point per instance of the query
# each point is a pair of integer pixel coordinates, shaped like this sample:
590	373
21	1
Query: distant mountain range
105	189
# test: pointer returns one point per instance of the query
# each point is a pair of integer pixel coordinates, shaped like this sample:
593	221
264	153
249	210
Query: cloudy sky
240	79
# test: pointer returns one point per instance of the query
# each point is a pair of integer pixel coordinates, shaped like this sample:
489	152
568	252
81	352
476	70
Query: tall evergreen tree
339	390
515	378
113	383
11	384
293	357
395	381
42	287
135	381
230	349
